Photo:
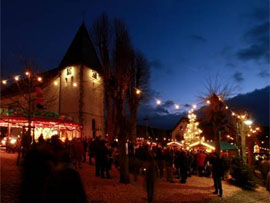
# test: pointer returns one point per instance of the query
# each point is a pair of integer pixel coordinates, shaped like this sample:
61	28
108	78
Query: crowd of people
54	164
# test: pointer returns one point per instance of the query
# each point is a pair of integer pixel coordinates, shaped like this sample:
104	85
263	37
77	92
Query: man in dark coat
183	167
218	172
160	161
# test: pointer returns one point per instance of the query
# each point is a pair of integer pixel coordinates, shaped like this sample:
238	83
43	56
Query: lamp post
243	133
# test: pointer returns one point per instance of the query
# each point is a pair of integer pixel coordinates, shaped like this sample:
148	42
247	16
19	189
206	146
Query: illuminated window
68	70
95	75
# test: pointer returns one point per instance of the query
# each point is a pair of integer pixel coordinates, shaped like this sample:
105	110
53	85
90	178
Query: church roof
81	51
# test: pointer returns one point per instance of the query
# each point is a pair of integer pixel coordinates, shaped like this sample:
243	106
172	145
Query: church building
74	89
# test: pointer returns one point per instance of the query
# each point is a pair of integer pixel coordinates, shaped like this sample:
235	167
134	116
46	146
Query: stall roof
223	145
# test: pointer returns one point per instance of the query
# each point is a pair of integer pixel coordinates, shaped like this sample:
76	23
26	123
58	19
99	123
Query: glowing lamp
55	83
208	101
176	106
74	84
39	79
4	82
248	122
27	73
13	141
158	101
194	106
138	91
16	78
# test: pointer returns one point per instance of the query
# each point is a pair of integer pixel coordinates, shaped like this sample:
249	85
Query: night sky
186	42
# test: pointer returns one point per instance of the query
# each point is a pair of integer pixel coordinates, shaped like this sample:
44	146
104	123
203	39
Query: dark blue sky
185	41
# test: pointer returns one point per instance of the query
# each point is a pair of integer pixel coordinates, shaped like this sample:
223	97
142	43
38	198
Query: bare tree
216	112
101	33
117	57
25	95
138	89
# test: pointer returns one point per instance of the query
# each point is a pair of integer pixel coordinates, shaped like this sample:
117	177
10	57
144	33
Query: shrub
242	174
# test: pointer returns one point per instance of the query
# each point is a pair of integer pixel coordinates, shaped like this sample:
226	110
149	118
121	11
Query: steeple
81	51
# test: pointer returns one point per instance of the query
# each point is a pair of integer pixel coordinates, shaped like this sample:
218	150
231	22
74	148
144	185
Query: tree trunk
133	124
217	139
122	137
218	148
109	121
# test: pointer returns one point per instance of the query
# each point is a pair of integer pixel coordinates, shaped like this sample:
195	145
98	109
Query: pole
243	133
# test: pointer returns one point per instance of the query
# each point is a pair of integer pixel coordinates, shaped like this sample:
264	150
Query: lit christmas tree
192	132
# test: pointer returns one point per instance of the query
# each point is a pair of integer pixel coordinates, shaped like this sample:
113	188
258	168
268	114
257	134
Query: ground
197	189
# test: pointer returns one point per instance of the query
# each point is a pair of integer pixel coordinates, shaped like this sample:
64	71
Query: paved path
197	189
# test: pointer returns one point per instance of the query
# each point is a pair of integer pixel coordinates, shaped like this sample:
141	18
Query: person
41	139
183	167
169	164
84	143
77	152
177	162
201	163
104	154
217	173
150	177
91	150
64	184
160	161
97	153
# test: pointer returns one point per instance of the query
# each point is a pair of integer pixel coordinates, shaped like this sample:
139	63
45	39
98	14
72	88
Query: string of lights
241	117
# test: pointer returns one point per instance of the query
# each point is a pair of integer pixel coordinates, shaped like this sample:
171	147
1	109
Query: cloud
168	104
264	74
238	77
257	40
159	66
159	117
187	105
197	38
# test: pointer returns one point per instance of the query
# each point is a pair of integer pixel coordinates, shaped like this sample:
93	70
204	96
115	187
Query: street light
138	91
248	122
158	101
176	106
39	79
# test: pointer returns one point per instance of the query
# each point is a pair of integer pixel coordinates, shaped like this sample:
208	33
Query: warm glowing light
4	82
194	106
55	83
27	73
39	79
208	101
74	84
13	141
233	114
138	91
17	77
176	106
248	122
226	107
158	101
220	97
257	128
